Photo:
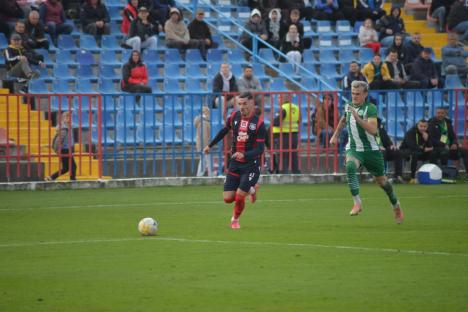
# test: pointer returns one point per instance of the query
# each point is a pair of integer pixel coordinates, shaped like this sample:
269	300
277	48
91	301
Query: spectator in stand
53	18
178	35
390	152
18	60
438	12
294	18
275	27
10	12
454	57
327	10
95	18
130	13
142	33
160	10
368	37
424	70
377	74
249	83
397	45
135	75
224	82
353	74
457	19
199	30
203	128
417	145
445	140
306	11
293	47
352	11
20	29
35	32
372	8
389	25
323	119
25	6
397	72
412	50
257	27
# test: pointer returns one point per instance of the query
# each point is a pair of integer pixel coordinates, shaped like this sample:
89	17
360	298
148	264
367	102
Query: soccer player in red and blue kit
248	144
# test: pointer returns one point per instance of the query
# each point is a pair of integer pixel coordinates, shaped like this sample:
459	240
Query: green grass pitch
297	250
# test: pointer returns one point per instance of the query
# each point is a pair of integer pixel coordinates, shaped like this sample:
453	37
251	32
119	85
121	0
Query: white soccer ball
147	226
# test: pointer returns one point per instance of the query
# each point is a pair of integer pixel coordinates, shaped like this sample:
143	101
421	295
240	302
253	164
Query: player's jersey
359	139
246	132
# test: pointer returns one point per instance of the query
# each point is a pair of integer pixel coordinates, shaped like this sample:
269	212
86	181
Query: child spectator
368	36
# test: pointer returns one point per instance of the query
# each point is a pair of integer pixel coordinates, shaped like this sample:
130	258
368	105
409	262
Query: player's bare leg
387	187
238	208
352	164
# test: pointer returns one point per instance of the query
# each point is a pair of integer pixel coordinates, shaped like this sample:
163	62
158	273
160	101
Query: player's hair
356	84
422	120
442	107
246	95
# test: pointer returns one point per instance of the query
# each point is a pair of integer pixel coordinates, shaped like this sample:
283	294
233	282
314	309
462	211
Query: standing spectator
368	37
135	75
142	33
18	60
249	83
457	20
293	47
256	26
353	74
454	57
95	18
160	10
397	45
199	30
63	146
445	140
53	18
327	10
417	145
397	72
224	82
389	25
377	74
438	12
390	152
425	71
203	127
178	35
275	28
372	8
130	13
35	32
286	135
412	50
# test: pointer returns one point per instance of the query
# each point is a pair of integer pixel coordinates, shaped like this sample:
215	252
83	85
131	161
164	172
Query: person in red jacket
135	75
130	13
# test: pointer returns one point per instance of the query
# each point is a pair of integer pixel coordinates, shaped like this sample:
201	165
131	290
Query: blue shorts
242	175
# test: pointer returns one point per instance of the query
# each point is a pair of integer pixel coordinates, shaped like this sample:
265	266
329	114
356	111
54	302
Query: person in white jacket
368	36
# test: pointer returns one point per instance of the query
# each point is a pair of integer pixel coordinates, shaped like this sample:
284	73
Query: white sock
357	200
252	190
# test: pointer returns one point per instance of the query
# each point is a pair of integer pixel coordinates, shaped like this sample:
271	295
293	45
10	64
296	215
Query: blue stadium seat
308	31
107	86
127	119
63	87
38	86
171	118
175	103
66	42
62	72
47	60
343	26
308	56
194	71
81	120
326	56
172	56
172	70
108	72
172	86
153	71
346	56
189	133
259	71
324	27
114	13
267	55
310	83
453	82
346	40
213	69
326	42
414	98
3	41
85	72
237	69
85	86
277	85
236	56
214	56
149	135
150	103
127	136
193	56
109	57
169	136
287	69
88	42
365	55
65	57
394	99
329	70
194	85
110	42
149	57
84	57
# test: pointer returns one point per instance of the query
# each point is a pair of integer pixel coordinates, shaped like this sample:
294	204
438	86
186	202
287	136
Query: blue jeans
462	28
57	29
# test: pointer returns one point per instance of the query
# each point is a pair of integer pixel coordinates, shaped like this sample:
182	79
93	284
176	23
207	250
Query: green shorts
372	160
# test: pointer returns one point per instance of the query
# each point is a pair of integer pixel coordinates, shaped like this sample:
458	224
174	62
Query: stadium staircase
30	132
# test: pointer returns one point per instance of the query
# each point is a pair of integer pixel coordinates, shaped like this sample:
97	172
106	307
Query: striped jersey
359	139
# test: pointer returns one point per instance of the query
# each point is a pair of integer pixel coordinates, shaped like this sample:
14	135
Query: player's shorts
242	175
372	160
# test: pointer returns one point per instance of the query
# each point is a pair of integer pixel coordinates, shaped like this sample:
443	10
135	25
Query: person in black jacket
412	49
199	29
457	20
275	28
398	73
445	140
417	145
397	45
424	70
35	31
390	152
142	33
95	18
224	82
438	12
18	60
389	25
293	47
353	74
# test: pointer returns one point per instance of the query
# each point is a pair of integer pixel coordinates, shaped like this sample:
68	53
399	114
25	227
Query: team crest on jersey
244	123
252	126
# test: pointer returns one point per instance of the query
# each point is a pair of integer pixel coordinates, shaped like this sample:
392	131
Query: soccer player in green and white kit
360	118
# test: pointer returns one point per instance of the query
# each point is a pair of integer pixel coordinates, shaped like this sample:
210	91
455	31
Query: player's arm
370	125
260	146
336	134
219	136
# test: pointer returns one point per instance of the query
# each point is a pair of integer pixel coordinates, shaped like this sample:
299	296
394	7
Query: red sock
239	205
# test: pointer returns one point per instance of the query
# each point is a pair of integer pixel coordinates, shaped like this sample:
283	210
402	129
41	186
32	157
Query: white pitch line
251	243
217	202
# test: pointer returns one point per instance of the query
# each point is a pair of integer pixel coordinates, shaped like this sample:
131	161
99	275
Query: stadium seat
324	27
259	71
194	71
308	56
84	57
45	54
171	118
172	56
127	136
126	118
149	135
62	72
38	86
175	103
326	42
88	42
85	86
65	57
236	56
365	55
108	72
3	41
107	140
172	70
346	40
169	136
107	86
193	56
194	85
213	69
189	133
329	70
153	71
326	56
343	26
85	72
214	56
414	98
172	86
149	57
110	42
81	120
287	69
277	85
237	69
66	42
346	56
267	55
63	87
114	13
109	57
453	82
310	83
150	103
